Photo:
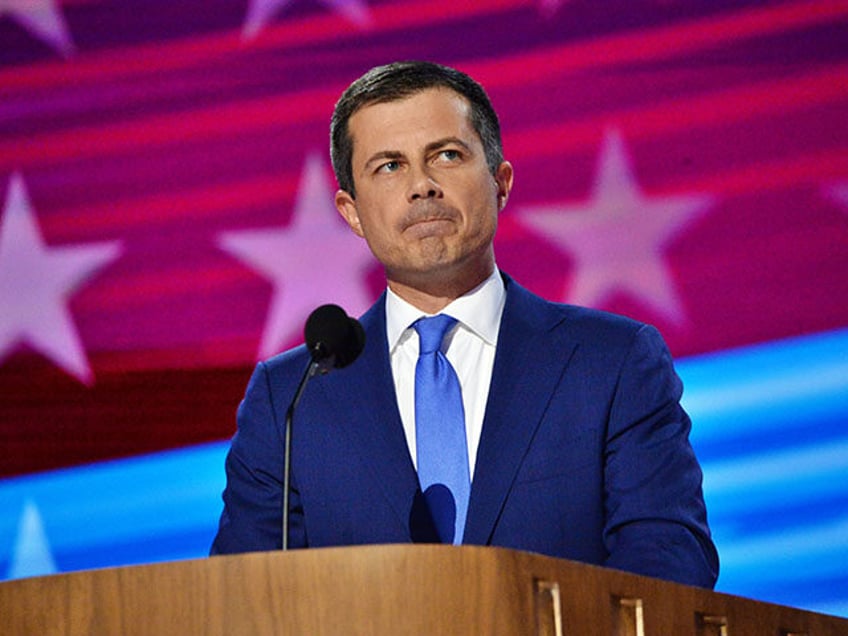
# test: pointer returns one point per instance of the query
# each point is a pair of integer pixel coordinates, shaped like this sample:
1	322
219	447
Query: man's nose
423	186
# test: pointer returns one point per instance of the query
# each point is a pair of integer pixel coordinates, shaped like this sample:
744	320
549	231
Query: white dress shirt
469	346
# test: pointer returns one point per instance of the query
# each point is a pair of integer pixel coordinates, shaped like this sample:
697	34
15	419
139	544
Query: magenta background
164	129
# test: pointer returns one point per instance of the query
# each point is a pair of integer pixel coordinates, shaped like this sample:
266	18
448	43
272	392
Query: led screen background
167	220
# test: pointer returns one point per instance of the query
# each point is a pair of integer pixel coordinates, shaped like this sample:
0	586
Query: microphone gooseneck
334	341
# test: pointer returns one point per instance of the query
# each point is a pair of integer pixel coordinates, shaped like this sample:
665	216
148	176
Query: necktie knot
431	332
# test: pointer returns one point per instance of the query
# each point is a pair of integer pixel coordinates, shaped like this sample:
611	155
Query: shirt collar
479	310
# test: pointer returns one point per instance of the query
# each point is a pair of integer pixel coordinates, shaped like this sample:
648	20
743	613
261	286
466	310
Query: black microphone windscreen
330	331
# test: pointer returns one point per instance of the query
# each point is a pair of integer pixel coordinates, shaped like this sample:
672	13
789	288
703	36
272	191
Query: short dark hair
399	80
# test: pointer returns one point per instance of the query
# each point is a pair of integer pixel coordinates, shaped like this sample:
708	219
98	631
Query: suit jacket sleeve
252	515
655	515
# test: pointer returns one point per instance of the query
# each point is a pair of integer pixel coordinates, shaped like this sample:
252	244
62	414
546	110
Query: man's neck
435	292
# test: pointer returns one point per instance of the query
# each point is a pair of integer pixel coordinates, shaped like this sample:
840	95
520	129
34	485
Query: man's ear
503	177
346	205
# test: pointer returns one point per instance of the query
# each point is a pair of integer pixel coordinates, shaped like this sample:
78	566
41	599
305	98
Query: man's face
426	201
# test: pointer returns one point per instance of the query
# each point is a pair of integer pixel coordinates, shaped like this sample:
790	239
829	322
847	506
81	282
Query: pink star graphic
43	19
317	259
617	238
260	12
36	282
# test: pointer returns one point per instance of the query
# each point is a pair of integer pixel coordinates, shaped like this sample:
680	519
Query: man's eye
389	166
450	154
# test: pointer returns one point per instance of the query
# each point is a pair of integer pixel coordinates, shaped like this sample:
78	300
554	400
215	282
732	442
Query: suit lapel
365	395
530	361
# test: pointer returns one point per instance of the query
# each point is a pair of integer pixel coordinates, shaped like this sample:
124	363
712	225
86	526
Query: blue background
769	429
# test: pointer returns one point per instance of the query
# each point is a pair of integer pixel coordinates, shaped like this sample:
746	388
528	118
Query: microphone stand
333	340
322	366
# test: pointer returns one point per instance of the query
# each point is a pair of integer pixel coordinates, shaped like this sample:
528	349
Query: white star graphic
36	282
43	19
617	238
317	259
31	554
260	12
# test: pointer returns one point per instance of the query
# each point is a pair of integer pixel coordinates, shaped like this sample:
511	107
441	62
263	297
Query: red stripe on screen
641	45
720	108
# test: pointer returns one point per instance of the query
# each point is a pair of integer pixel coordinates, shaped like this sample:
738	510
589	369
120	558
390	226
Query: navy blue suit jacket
584	452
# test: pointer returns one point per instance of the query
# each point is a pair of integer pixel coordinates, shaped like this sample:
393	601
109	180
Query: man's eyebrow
390	155
446	141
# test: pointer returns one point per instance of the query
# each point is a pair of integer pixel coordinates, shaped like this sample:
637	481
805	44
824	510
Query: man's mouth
429	216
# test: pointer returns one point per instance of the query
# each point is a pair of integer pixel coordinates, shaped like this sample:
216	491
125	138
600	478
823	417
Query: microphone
334	340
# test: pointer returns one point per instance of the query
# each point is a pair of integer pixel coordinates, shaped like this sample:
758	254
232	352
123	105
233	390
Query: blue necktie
441	447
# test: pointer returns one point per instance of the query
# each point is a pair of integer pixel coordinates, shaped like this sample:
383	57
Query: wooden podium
392	589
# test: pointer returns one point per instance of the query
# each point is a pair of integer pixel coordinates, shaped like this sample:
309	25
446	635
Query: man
572	440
